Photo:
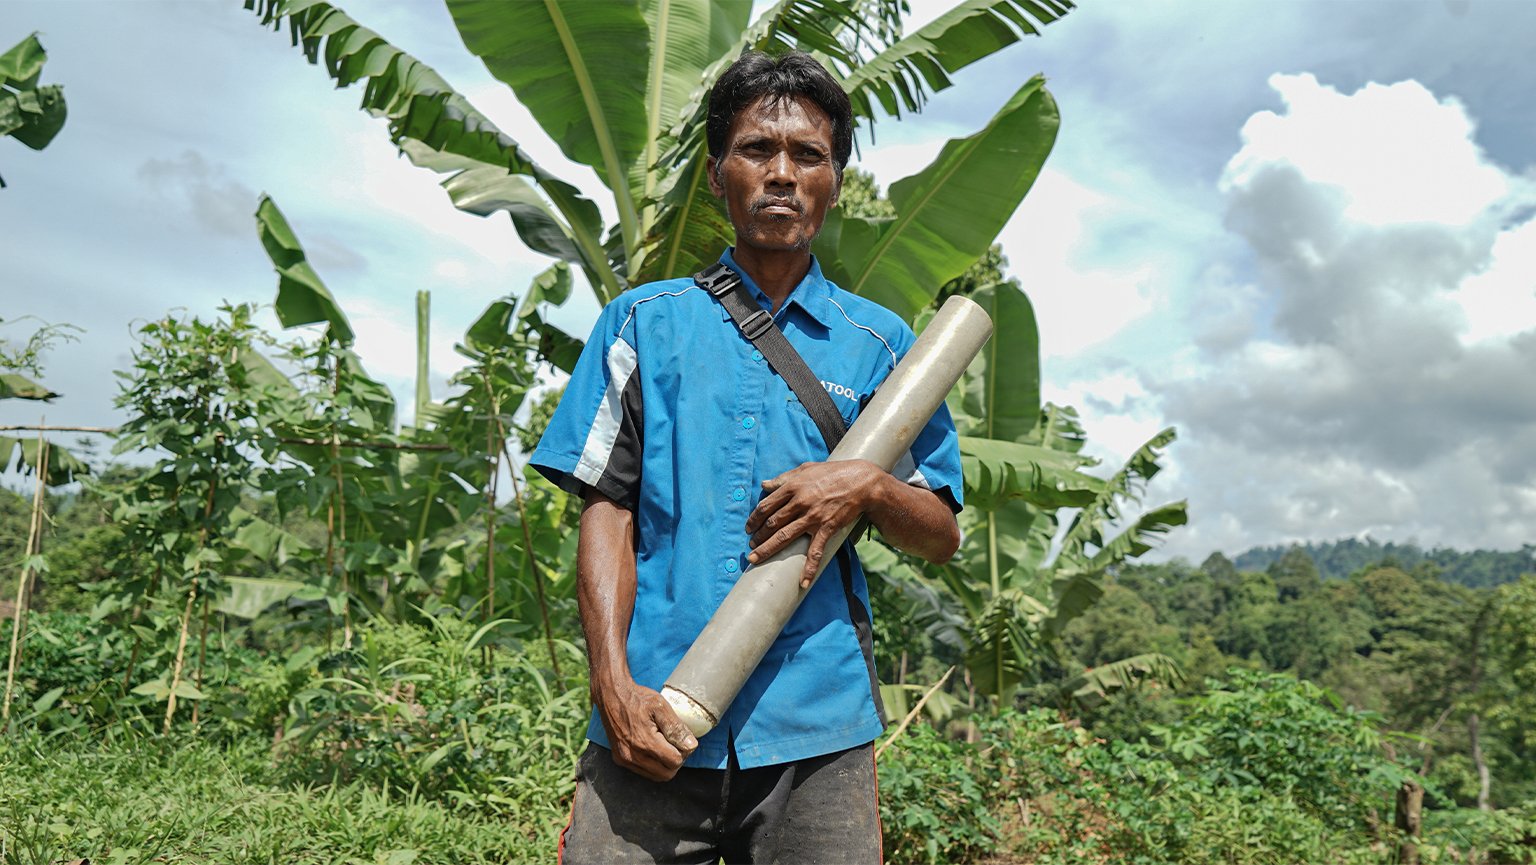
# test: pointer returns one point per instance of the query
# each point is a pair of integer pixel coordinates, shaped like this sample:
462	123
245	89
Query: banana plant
1019	577
403	509
29	113
621	87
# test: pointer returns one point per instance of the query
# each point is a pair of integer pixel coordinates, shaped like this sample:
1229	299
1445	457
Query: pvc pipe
755	611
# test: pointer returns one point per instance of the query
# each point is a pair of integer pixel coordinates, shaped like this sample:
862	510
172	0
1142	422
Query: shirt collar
813	294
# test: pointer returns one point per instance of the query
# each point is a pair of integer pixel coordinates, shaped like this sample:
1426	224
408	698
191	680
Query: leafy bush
1263	770
1268	734
933	802
430	710
1506	837
82	673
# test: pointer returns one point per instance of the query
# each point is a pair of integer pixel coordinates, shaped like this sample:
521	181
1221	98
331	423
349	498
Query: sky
1303	234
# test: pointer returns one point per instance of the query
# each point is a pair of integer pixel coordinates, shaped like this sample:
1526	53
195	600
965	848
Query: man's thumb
676	733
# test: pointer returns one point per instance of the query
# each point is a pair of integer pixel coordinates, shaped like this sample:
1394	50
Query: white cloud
1398	154
1500	302
1385	386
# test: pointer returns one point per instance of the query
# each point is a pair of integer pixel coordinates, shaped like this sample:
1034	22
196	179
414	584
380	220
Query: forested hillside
1336	560
1446	664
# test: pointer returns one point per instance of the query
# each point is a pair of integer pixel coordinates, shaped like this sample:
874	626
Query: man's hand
815	499
646	735
818	499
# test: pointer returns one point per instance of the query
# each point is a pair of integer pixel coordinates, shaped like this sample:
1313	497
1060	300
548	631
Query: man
696	460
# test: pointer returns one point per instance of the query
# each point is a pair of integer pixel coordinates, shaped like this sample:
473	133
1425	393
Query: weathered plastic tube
766	595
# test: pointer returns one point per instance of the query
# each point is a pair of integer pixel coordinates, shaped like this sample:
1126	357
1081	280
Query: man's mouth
777	206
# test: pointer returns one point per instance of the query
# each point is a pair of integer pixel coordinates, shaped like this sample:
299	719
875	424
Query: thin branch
346	443
383	446
107	430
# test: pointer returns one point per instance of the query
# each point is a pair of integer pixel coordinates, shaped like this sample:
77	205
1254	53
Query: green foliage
434	710
1289	737
27	358
933	801
1506	837
94	675
947	214
1437	660
1263	770
185	801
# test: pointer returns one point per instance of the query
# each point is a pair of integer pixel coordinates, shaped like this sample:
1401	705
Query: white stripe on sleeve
906	469
605	427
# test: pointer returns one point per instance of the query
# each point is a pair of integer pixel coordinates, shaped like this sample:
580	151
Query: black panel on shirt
621	477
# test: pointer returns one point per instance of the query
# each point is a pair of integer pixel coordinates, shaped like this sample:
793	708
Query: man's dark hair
756	75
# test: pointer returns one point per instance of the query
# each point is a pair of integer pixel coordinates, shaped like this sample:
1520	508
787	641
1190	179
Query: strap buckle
717	279
754	325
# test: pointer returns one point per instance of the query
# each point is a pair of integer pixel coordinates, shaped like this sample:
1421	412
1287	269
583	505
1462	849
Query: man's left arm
818	499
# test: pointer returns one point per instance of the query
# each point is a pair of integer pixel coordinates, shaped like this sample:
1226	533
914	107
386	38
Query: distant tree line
1336	560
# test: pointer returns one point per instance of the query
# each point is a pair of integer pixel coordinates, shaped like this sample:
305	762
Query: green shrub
933	802
1268	734
1467	835
1263	770
90	673
429	710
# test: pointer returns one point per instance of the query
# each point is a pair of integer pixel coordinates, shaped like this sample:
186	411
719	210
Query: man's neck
776	272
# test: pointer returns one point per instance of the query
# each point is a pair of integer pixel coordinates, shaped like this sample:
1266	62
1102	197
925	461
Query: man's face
776	174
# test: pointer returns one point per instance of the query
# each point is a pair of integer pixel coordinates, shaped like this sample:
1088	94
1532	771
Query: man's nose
781	170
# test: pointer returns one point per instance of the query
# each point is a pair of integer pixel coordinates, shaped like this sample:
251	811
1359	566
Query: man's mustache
762	203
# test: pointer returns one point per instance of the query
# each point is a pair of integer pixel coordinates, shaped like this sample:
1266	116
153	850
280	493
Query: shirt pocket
848	409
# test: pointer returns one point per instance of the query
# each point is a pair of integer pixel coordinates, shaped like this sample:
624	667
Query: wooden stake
19	614
341	515
533	565
181	654
1410	821
902	728
492	427
202	657
186	616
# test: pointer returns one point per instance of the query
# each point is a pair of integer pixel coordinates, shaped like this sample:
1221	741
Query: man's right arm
644	732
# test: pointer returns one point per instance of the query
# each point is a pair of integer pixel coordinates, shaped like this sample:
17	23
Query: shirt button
757	355
748	422
730	566
739	494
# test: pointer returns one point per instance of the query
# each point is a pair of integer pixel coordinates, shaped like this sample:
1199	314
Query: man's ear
837	189
712	172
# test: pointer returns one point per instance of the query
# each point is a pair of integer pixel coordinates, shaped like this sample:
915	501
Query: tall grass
188	801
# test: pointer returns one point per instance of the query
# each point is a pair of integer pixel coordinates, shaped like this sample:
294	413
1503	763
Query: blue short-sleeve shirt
673	414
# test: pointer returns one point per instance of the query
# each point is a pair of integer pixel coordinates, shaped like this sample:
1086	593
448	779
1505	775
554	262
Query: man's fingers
781	529
655	757
772	543
813	558
767	507
654	765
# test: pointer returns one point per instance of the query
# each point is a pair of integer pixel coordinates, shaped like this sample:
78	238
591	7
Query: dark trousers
821	810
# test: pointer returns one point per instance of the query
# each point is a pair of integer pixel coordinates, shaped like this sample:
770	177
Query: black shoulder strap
757	325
